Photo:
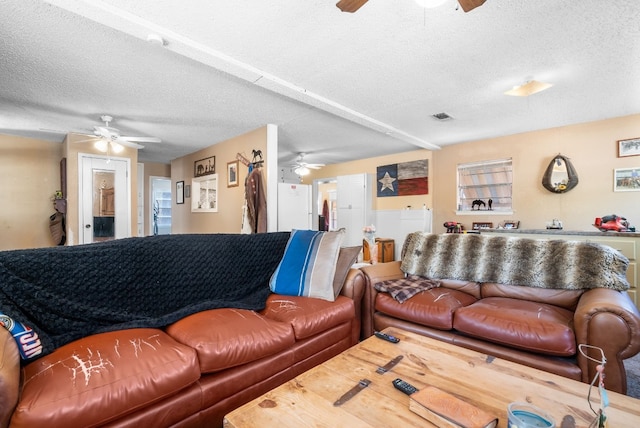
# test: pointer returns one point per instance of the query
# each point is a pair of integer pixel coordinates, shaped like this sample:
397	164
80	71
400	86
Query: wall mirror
560	176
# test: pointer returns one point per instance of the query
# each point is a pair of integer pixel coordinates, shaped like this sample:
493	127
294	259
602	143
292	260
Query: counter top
563	232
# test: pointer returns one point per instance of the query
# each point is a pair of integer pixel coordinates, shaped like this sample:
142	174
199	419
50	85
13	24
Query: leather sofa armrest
9	376
353	288
609	320
373	274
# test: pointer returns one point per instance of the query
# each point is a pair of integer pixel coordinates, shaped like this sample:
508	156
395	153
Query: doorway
160	203
105	198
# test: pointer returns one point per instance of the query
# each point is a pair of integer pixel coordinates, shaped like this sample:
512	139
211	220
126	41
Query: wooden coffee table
489	383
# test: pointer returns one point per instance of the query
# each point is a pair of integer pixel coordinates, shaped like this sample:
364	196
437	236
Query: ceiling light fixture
430	4
529	88
104	145
302	170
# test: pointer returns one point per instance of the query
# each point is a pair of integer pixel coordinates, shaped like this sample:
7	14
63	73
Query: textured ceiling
339	86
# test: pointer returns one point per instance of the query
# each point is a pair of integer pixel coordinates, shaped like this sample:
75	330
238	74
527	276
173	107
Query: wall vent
441	116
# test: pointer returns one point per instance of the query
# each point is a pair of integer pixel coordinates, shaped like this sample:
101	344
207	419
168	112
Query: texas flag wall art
403	179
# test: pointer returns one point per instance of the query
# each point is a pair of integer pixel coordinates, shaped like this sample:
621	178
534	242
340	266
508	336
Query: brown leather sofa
188	374
537	327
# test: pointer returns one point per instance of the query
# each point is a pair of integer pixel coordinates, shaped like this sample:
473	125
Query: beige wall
369	166
30	176
228	219
591	148
152	170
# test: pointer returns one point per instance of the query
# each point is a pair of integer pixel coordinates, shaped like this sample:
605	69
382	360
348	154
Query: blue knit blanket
65	293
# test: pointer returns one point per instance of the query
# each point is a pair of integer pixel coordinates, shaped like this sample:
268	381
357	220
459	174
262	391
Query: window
485	186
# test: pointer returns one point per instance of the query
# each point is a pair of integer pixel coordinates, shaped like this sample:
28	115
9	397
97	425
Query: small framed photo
630	147
626	179
482	225
232	174
510	224
204	166
187	191
180	192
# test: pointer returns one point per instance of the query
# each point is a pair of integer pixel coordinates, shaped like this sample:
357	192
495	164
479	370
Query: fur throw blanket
65	293
515	261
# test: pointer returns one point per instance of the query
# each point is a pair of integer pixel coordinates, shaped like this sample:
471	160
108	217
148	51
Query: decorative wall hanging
403	179
560	176
629	147
204	166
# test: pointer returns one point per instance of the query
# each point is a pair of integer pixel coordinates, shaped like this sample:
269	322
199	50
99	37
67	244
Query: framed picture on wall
204	166
630	147
180	192
626	179
232	174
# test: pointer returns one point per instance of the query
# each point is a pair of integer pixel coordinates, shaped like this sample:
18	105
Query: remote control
387	337
405	387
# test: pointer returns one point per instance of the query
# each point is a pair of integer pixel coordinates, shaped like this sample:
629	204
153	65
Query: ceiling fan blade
141	139
468	5
350	5
127	143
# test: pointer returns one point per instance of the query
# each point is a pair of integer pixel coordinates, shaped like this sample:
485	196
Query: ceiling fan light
302	170
116	147
529	88
101	145
430	4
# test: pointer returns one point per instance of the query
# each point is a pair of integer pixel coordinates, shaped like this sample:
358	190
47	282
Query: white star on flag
387	182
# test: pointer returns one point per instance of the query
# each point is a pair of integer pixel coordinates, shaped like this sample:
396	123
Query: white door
105	198
294	206
353	193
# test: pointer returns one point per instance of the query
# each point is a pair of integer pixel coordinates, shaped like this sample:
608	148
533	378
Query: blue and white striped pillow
308	266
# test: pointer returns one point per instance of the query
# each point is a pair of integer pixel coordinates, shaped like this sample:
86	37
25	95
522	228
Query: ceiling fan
353	5
302	168
110	138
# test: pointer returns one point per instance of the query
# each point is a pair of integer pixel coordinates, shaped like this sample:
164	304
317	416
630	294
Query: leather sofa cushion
531	326
110	374
469	287
309	316
432	308
567	299
227	337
